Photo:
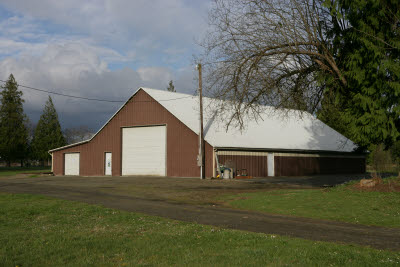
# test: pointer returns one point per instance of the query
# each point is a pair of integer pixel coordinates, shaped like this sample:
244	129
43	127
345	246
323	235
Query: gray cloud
69	46
137	28
76	69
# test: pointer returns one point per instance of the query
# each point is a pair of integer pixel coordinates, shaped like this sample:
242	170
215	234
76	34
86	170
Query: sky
104	49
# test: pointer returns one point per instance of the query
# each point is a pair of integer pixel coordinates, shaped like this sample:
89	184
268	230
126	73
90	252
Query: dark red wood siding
141	110
255	166
298	166
256	163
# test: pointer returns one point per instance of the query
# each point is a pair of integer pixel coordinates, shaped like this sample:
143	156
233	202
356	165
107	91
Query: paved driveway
193	200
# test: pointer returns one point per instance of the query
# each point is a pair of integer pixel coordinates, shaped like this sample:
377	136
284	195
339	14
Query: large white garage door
71	164
144	150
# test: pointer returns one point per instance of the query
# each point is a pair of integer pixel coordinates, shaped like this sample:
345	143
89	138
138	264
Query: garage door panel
144	150
71	163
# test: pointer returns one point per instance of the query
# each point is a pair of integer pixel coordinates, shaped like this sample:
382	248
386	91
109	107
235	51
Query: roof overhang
68	146
252	149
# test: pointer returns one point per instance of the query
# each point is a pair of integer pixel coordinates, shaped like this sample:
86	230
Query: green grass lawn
41	231
340	203
9	171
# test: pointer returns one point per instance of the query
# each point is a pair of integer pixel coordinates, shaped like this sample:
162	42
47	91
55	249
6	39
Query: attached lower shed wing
269	163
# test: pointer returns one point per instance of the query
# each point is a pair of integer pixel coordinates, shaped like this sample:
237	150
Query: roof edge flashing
68	146
286	150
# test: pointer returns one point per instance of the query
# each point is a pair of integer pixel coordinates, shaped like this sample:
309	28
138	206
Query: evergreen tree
13	130
171	86
366	44
48	134
332	114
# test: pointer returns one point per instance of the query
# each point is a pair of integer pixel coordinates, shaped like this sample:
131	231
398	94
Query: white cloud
75	47
155	75
146	26
76	69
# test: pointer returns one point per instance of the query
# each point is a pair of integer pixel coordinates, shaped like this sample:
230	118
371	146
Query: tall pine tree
48	134
171	87
366	45
13	130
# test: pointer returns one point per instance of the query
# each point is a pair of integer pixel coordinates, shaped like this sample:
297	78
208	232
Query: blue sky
99	49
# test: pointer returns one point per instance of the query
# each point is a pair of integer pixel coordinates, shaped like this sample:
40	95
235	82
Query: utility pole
202	156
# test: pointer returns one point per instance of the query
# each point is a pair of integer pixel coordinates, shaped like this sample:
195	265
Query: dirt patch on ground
390	186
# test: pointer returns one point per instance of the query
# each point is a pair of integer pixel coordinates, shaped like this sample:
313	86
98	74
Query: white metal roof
275	129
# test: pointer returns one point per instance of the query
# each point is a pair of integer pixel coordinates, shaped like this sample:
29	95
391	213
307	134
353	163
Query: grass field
341	203
9	171
42	231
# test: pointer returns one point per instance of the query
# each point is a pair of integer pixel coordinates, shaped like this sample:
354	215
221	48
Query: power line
60	94
164	100
86	98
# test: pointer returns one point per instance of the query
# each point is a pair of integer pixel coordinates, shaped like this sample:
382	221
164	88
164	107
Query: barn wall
58	158
142	109
255	163
293	164
321	164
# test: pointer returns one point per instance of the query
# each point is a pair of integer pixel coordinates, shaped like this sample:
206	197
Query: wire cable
86	98
60	94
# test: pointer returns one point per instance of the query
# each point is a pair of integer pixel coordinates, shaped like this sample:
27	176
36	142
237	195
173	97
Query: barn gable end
140	110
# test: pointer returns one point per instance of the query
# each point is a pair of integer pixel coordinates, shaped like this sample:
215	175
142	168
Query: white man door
108	162
71	163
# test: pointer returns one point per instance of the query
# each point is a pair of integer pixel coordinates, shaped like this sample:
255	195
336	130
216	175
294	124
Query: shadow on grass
10	171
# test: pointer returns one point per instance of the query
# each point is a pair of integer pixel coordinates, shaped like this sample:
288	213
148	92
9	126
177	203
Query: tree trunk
8	163
398	168
22	163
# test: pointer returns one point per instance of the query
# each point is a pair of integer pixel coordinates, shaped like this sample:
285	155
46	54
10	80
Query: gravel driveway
195	200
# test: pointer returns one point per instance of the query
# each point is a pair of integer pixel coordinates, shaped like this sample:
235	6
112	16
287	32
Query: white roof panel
273	130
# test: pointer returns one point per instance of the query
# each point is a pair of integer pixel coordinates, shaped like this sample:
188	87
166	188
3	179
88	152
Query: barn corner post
202	154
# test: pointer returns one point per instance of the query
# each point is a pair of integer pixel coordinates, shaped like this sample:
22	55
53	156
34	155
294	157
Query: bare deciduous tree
268	53
77	134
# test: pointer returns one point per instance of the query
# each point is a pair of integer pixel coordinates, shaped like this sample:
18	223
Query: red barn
156	133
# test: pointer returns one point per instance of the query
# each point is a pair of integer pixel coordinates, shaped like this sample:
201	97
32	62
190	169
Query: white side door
108	169
71	163
144	150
